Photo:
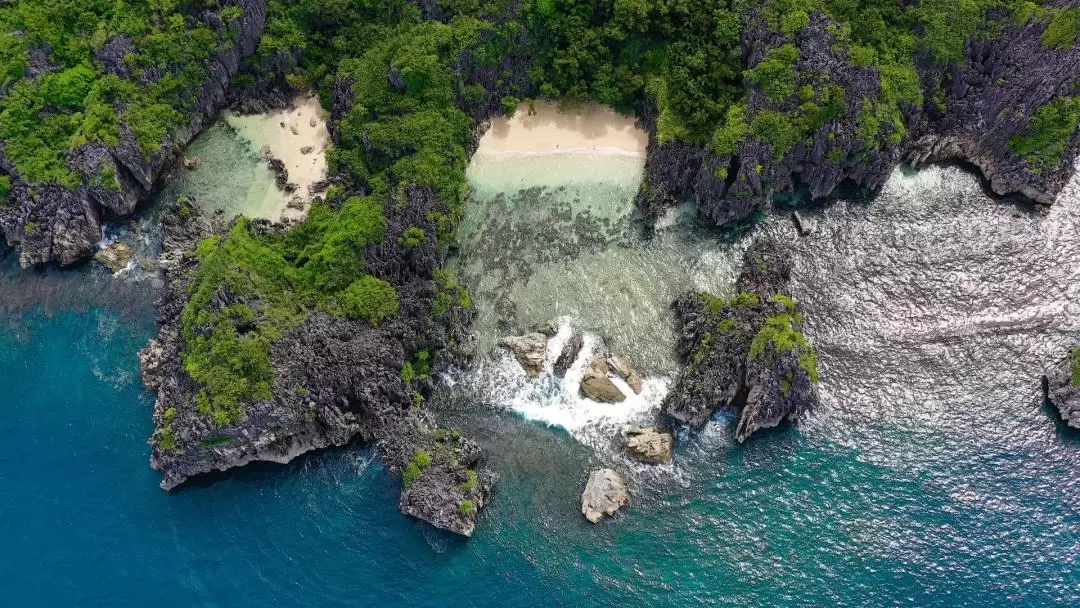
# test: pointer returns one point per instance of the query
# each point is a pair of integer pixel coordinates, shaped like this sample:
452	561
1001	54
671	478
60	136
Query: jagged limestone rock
597	386
115	257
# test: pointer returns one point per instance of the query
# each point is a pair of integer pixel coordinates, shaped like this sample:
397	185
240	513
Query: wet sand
287	134
588	129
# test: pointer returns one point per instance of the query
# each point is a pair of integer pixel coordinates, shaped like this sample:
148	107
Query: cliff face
746	353
52	223
984	102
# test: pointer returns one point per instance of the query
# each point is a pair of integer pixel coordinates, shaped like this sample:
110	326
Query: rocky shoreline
746	353
336	381
990	97
54	223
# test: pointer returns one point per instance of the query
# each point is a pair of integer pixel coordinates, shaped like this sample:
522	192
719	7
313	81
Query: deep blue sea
931	476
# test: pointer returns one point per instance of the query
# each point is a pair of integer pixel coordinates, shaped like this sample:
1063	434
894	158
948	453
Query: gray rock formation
115	257
986	98
605	493
1058	388
597	386
746	353
530	351
568	355
335	380
804	225
648	444
449	491
620	366
63	225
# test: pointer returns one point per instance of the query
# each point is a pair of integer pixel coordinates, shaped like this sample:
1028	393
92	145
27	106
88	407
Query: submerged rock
747	353
190	163
605	493
648	444
597	386
115	257
530	351
568	355
1058	388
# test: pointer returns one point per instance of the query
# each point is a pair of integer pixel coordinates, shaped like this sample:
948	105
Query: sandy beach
589	129
298	137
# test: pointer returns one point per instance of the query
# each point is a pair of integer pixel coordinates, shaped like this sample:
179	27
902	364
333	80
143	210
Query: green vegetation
778	335
467	508
76	102
1050	131
1075	369
471	480
421	461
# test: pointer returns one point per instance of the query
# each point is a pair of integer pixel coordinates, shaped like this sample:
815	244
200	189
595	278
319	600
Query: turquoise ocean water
898	494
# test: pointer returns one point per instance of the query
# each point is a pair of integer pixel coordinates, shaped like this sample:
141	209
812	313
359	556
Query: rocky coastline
989	97
336	381
1062	392
60	224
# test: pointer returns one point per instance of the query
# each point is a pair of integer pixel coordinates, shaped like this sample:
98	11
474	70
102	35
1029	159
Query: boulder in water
190	163
621	367
605	493
549	328
115	257
648	444
803	224
568	355
530	351
597	386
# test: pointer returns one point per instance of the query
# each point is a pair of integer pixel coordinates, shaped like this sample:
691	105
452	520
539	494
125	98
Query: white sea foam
557	401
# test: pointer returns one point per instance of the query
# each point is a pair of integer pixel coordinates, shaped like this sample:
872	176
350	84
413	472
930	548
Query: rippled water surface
930	475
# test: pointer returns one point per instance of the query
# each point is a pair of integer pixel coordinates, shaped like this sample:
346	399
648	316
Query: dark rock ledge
1059	389
746	353
336	381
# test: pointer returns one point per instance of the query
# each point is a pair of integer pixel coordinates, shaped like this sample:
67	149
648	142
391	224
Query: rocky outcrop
746	353
605	493
568	355
1058	388
447	492
115	257
51	223
981	103
648	444
620	366
335	380
597	386
530	351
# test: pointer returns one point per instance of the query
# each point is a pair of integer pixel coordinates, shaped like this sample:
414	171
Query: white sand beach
588	129
288	134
